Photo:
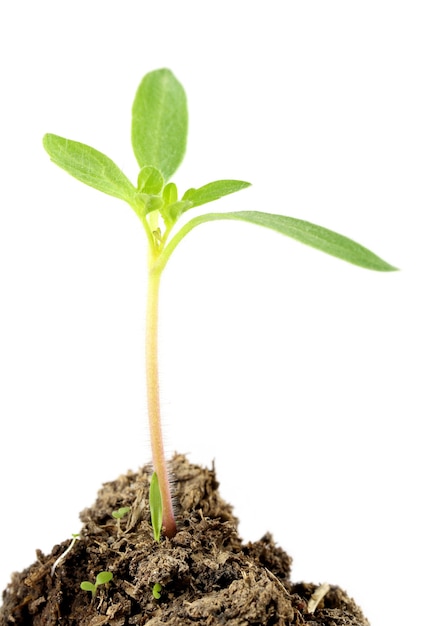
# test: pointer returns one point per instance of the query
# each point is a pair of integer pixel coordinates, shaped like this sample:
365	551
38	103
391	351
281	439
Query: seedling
64	554
119	514
101	579
159	131
317	596
156	591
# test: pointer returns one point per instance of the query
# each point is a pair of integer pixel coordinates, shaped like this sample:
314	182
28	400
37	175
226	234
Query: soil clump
207	574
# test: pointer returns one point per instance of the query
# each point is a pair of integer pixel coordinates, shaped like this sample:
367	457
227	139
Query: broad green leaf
310	234
159	122
214	191
87	586
155	504
89	166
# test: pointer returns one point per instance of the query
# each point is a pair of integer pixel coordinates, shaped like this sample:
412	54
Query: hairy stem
152	380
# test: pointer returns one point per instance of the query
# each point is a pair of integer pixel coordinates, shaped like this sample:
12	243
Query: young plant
156	591
101	579
159	131
75	537
119	514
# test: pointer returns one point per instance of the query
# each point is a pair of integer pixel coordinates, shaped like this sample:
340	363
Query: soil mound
206	574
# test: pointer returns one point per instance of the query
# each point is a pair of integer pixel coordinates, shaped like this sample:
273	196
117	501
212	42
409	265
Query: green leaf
155	503
312	235
150	180
317	237
160	122
169	194
103	577
214	191
89	166
156	591
88	586
119	514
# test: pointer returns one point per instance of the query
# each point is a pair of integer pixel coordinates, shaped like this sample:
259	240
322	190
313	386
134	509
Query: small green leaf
160	122
170	194
156	591
119	514
103	577
150	180
88	586
89	166
214	191
155	503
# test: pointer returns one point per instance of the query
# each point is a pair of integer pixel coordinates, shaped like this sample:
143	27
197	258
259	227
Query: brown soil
208	575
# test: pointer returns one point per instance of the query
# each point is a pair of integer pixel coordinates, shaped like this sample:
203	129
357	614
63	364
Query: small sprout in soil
156	591
101	579
155	504
317	596
159	133
119	514
64	554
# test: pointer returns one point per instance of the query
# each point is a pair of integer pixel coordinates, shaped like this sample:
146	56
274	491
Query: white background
302	376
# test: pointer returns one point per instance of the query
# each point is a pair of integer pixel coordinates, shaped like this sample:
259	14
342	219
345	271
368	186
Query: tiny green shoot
64	554
155	505
156	591
101	579
119	514
159	133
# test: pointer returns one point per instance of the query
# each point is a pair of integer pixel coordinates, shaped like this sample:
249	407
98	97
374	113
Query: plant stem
152	380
